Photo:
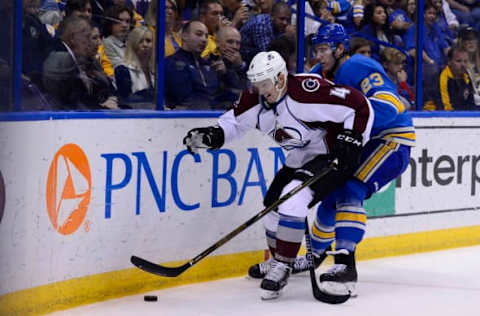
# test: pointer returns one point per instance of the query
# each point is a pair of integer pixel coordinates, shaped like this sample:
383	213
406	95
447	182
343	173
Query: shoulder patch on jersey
310	84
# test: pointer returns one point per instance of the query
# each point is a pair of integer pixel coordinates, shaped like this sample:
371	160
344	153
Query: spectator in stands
117	27
435	48
394	62
211	14
72	75
235	78
260	30
137	19
375	28
399	21
346	12
79	8
101	56
135	77
456	86
172	37
264	6
236	11
50	13
83	8
468	39
101	86
446	20
193	81
360	45
37	42
320	9
467	12
411	9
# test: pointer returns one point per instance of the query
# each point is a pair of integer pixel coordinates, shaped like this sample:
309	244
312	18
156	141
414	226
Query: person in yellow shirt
173	40
456	89
211	14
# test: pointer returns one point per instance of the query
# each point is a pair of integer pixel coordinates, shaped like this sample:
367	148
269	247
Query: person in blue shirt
375	28
261	29
435	47
385	156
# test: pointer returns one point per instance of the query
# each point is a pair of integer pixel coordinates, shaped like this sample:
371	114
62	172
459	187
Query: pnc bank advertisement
79	197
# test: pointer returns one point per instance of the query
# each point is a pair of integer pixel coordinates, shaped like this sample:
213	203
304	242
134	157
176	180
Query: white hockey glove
211	137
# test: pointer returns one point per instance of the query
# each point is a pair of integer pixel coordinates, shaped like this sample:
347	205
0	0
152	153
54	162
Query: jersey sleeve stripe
391	100
371	164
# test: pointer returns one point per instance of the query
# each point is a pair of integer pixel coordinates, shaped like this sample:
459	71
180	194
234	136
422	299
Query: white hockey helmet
266	65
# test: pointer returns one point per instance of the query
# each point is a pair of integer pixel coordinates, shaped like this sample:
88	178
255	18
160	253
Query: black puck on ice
150	298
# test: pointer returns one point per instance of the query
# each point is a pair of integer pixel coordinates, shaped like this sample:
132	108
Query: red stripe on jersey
303	89
247	101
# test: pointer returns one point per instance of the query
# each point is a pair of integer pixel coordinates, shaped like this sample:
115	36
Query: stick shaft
175	271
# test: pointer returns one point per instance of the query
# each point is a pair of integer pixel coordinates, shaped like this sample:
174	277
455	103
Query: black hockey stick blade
327	297
317	292
151	267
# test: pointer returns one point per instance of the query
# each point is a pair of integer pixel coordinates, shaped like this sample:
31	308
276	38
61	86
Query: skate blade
337	288
267	295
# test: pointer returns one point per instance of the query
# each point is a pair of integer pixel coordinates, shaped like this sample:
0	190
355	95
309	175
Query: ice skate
301	263
260	270
342	277
275	280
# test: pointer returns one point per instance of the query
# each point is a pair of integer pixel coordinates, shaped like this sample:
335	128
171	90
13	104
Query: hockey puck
150	298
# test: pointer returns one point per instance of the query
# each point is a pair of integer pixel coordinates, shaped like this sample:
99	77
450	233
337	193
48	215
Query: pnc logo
2	196
69	186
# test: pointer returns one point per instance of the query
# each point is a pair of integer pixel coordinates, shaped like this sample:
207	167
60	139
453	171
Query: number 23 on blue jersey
373	80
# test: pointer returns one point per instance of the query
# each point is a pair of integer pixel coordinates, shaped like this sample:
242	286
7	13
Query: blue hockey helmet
332	34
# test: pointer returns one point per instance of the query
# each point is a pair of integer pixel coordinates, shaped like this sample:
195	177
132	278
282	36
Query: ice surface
435	283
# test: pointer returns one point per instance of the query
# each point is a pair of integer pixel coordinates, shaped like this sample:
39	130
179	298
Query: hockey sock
289	238
323	227
350	226
271	225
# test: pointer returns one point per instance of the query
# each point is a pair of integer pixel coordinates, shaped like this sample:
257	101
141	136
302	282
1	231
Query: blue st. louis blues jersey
367	75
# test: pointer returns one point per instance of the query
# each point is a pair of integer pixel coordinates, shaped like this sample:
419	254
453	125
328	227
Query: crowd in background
100	54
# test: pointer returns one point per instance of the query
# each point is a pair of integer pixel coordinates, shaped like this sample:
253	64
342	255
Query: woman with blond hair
172	39
135	77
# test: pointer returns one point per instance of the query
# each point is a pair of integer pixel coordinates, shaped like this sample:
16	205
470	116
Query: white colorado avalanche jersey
305	121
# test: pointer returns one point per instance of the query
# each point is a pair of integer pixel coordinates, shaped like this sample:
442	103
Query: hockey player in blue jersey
341	216
365	74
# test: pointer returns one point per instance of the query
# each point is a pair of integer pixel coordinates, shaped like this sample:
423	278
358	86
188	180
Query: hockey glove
282	178
211	137
348	150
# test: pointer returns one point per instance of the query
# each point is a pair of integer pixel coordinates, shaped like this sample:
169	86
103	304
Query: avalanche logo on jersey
288	137
310	85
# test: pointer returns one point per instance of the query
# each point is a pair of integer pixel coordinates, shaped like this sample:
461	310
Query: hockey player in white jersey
314	121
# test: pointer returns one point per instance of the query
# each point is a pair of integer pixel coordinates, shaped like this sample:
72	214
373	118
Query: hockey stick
317	293
175	271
